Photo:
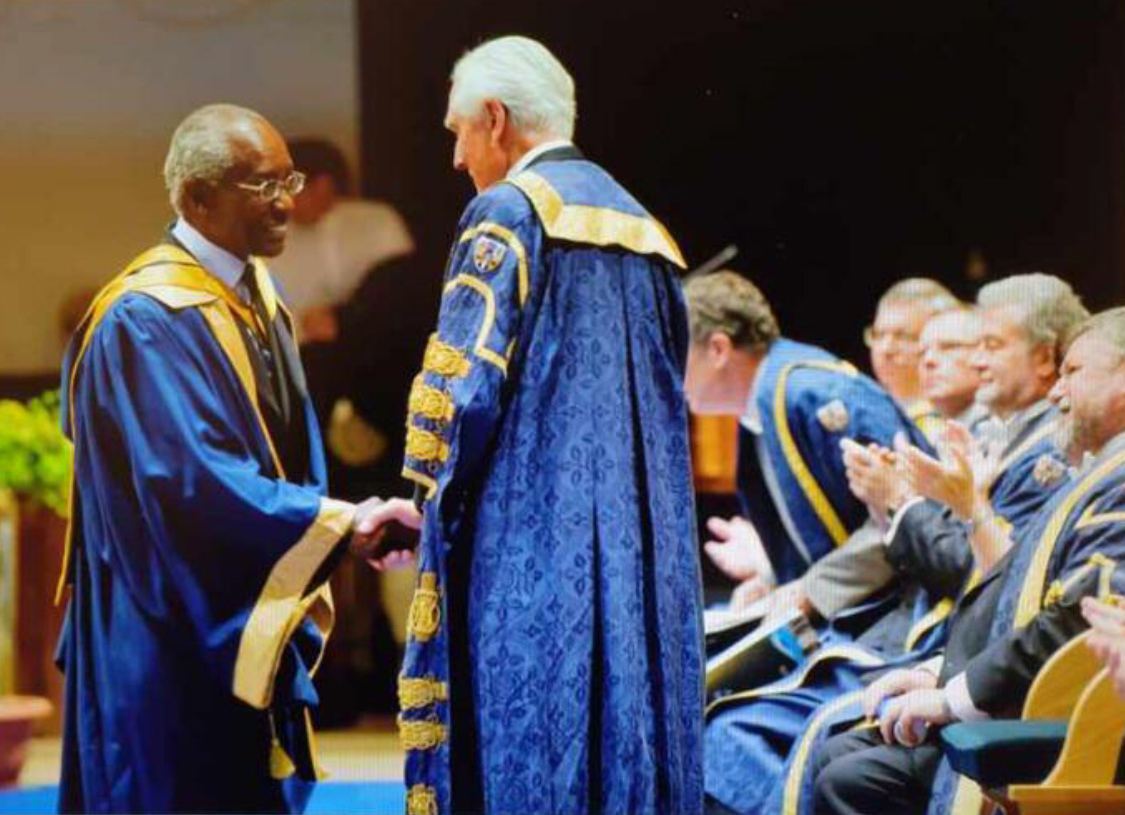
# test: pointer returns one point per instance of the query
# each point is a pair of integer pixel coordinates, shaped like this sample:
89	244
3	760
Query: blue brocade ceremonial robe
199	606
791	479
554	660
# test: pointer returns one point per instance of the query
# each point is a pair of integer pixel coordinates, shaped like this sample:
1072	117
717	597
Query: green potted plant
35	469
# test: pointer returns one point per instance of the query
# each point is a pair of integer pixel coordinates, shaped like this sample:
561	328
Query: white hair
202	147
1049	308
524	76
922	292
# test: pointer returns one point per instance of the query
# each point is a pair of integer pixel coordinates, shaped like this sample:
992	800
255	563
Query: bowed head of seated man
1003	630
795	403
201	536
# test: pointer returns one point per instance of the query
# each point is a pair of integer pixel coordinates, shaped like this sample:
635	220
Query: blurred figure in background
338	274
335	240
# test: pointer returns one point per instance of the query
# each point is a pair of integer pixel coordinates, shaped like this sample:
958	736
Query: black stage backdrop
840	145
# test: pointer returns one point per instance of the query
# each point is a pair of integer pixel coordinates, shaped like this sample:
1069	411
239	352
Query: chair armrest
1061	681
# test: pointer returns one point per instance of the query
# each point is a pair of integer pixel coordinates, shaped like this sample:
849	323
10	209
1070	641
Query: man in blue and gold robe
201	538
554	653
796	402
1006	627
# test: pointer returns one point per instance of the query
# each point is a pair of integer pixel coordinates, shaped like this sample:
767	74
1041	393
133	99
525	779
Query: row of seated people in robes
939	568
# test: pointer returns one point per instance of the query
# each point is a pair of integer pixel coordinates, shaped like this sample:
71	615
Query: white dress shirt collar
534	153
218	262
752	418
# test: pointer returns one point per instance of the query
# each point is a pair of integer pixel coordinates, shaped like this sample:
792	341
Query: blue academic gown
199	605
791	479
758	742
554	660
1079	529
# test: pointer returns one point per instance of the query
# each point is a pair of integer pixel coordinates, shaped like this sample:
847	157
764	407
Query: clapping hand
371	524
952	479
1107	638
873	478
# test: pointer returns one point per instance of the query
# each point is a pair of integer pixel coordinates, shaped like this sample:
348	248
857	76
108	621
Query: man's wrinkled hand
906	718
895	683
370	526
1107	638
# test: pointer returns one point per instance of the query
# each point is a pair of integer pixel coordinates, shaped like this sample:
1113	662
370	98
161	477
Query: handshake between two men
384	533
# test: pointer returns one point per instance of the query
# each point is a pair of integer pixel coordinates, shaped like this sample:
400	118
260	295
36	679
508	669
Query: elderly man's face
479	149
947	376
1011	369
1090	394
893	340
240	220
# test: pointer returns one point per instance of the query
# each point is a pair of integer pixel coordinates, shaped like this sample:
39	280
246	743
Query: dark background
840	145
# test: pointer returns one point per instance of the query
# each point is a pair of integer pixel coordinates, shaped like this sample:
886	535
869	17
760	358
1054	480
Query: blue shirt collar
218	262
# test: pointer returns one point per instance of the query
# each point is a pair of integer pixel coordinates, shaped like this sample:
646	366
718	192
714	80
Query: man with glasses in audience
201	538
1006	626
893	337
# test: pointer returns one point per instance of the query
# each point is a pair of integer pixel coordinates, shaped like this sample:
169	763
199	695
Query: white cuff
900	513
932	665
960	702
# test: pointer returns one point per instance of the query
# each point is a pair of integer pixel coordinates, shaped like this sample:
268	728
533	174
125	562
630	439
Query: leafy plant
35	457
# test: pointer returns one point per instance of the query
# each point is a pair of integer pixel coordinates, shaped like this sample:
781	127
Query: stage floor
364	766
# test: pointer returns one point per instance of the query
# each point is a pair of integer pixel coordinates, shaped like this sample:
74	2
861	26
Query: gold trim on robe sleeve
282	604
422	445
431	403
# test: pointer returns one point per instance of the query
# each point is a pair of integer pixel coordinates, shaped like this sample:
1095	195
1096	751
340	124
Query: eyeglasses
873	336
270	190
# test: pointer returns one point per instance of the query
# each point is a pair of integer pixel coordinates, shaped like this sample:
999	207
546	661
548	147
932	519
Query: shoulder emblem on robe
1048	470
488	253
834	416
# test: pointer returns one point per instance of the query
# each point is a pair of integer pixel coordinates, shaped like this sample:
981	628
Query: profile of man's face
1005	360
239	219
947	376
894	345
1090	395
477	150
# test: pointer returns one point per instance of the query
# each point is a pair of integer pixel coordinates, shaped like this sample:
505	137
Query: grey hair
727	303
201	147
1109	325
1049	308
922	291
523	75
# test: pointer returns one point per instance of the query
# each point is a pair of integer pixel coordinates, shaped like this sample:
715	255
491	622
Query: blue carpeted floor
340	798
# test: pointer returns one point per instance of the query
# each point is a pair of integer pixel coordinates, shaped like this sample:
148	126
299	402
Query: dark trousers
858	773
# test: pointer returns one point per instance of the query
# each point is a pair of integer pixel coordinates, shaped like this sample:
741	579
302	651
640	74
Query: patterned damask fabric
560	527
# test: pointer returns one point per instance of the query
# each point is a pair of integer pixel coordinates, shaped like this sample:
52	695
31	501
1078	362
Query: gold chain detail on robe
420	735
425	609
444	360
415	693
423	445
432	403
421	800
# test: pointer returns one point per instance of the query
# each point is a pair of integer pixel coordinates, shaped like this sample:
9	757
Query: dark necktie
271	350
